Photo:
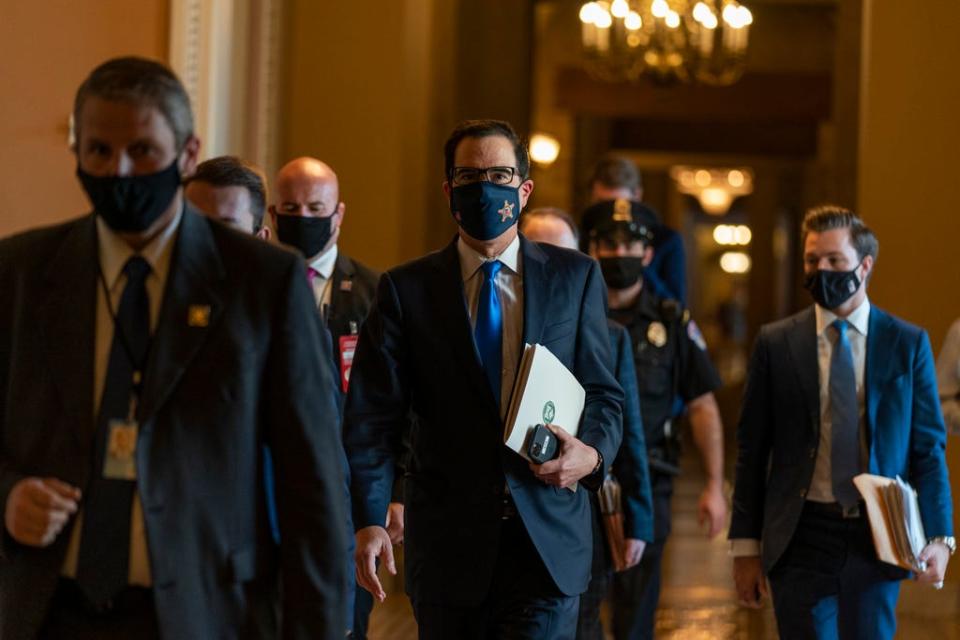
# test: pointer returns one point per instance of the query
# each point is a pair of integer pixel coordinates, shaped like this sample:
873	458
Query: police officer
671	360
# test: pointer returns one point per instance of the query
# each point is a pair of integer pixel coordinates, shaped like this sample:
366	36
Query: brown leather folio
612	516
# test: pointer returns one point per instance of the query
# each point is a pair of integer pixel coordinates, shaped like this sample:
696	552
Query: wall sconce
732	234
544	149
715	189
735	262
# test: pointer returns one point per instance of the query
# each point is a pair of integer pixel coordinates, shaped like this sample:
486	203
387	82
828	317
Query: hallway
698	601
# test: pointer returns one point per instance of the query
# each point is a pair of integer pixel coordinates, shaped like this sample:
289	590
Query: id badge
120	461
348	345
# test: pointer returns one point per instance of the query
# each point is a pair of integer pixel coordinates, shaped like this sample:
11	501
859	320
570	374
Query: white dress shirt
114	253
509	281
323	266
821	485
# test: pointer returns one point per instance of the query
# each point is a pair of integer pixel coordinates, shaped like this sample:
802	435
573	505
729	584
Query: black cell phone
542	445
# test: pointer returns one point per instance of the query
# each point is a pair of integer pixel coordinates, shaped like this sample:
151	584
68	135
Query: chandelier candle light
672	40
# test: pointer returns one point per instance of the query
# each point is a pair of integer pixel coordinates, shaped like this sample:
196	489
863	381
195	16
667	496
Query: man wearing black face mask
671	360
835	390
147	355
308	216
495	547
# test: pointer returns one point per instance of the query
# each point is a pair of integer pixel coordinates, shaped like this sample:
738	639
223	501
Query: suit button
803	493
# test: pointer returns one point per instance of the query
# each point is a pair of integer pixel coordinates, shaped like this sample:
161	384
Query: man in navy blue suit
838	389
495	547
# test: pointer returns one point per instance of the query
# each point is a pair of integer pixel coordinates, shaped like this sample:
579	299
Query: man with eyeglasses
495	546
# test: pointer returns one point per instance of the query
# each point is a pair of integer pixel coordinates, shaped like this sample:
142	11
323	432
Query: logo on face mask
830	289
478	210
131	203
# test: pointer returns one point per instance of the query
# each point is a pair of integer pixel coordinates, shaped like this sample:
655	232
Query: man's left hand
712	509
936	555
576	460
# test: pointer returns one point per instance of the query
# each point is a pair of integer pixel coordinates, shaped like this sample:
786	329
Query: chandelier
670	40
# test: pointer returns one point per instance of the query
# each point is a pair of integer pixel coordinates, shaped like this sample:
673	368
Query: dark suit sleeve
928	468
602	426
753	441
630	465
377	405
8	476
668	271
301	420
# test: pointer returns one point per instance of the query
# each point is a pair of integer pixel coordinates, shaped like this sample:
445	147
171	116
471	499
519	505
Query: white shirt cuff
740	547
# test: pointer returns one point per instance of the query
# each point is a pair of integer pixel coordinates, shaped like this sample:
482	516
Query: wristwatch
600	464
948	541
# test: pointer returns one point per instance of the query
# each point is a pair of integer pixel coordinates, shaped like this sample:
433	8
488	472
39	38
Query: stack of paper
545	392
894	514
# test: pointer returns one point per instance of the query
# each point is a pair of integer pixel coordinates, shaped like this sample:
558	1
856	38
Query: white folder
545	392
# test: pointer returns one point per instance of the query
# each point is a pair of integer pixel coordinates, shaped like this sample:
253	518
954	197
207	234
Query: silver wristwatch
948	541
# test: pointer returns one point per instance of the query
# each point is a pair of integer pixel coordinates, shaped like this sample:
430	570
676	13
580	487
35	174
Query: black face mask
131	203
308	234
622	272
830	289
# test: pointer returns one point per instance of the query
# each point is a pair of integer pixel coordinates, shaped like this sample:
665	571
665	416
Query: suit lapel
536	291
882	338
455	319
191	309
803	351
67	322
340	296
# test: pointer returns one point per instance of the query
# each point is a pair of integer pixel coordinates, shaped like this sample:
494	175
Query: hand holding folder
894	515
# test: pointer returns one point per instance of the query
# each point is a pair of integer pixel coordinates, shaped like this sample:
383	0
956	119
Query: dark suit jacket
417	357
630	465
213	396
353	289
780	422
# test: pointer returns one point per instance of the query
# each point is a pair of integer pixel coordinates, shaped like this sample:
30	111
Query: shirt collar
325	262
114	251
470	260
859	319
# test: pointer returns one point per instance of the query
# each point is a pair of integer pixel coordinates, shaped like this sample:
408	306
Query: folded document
894	514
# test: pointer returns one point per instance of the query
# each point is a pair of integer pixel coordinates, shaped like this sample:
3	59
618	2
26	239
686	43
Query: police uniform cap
620	218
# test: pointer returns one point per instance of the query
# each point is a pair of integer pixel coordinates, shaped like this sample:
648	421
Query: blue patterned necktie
488	331
103	560
845	416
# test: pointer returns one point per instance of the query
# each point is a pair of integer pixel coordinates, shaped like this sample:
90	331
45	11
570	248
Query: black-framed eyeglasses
496	175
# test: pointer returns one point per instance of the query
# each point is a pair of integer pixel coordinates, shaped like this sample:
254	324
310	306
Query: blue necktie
488	331
103	560
845	415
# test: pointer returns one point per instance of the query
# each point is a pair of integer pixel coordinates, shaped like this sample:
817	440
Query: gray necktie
845	415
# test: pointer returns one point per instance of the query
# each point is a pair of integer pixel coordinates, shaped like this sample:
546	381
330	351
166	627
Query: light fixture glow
735	262
619	8
588	12
702	177
603	19
659	8
633	21
544	148
673	19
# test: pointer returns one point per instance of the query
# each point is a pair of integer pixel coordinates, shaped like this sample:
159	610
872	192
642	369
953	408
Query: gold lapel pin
198	315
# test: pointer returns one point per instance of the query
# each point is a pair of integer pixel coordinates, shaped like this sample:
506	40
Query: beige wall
47	48
909	145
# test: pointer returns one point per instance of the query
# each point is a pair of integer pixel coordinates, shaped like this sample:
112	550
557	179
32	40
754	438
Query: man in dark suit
232	191
494	546
308	215
146	356
838	389
556	227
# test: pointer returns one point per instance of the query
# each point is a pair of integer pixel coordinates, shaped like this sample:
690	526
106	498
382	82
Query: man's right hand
38	508
633	552
372	543
750	581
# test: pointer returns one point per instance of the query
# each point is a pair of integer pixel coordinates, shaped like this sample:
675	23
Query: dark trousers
523	602
588	622
636	591
362	608
829	583
71	618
